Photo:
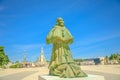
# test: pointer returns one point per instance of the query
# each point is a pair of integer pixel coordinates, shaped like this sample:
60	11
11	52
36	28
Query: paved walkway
17	76
21	75
108	76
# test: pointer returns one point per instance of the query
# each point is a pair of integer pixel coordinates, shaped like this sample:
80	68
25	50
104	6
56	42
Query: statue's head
60	22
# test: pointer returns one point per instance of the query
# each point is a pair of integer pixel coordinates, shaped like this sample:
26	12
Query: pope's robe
62	63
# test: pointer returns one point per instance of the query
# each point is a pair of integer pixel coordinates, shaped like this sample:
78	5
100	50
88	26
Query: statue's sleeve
54	35
49	36
68	36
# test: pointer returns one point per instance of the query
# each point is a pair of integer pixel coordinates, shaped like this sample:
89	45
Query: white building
41	59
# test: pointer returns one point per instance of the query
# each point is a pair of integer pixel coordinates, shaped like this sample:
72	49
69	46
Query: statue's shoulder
53	27
56	27
64	28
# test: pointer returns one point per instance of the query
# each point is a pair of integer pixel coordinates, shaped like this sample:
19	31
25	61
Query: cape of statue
62	63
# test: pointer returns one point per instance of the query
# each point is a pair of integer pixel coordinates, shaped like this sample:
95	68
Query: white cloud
88	42
28	46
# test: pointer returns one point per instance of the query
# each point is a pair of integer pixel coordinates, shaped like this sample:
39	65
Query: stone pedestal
90	77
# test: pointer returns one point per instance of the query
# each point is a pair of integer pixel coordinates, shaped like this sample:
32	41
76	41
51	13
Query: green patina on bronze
62	63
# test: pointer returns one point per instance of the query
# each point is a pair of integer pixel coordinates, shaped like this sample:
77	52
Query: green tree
118	57
115	56
6	60
3	58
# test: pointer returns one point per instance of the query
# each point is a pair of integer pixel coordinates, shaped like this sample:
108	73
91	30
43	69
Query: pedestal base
90	77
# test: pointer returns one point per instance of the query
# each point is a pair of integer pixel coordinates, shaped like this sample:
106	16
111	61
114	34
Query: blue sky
24	25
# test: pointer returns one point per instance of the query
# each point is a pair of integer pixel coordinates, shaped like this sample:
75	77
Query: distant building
102	60
87	62
25	63
41	59
93	61
24	60
113	62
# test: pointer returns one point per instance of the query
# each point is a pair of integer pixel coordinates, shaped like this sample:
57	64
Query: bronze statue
62	63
